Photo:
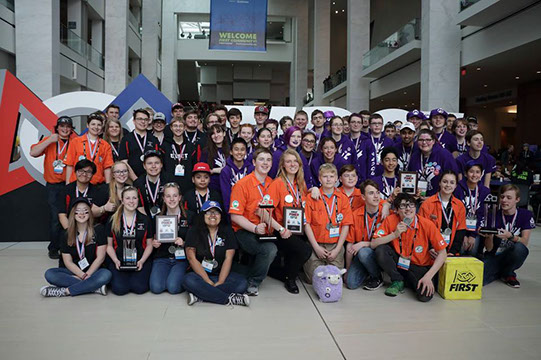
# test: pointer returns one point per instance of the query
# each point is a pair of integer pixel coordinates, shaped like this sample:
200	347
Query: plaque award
491	206
129	255
166	228
267	207
293	220
408	182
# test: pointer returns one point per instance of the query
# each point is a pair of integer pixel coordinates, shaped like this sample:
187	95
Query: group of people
251	203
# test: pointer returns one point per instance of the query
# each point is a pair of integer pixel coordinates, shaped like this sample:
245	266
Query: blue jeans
476	250
364	264
64	278
504	264
167	274
53	193
135	281
234	284
263	252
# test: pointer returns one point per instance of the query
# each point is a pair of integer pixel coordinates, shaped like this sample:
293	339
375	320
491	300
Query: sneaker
291	286
395	288
373	284
53	291
511	281
239	299
54	255
102	290
253	290
192	299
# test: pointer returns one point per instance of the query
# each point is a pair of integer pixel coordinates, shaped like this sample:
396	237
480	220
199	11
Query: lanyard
142	147
129	229
423	174
115	150
473	200
331	211
81	250
444	211
294	191
212	244
370	230
441	135
261	192
387	186
357	142
408	155
79	194
194	137
512	222
93	152
153	196
412	242
176	154
310	160
60	151
198	198
376	144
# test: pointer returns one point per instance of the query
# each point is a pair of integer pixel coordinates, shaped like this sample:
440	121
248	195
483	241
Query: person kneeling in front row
402	245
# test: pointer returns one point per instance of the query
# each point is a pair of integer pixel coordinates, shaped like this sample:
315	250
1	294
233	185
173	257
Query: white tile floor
506	324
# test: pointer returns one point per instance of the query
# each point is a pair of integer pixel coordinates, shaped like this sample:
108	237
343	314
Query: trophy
129	256
491	205
267	207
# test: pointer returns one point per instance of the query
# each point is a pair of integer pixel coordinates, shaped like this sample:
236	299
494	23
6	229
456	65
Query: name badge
179	170
422	185
207	265
471	223
334	231
403	263
180	254
83	264
58	169
446	238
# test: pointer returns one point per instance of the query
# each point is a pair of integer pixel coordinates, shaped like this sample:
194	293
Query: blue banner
238	25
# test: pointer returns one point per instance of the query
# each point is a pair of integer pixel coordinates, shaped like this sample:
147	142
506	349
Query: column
440	55
169	53
322	46
299	65
358	90
150	44
41	73
116	46
75	16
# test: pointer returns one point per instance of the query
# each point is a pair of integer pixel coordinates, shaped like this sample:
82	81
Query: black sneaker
54	255
512	282
239	299
53	291
373	284
291	286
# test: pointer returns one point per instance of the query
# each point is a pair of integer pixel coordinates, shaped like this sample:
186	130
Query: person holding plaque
327	223
129	245
210	248
83	251
507	251
447	213
388	181
169	264
402	244
250	222
288	192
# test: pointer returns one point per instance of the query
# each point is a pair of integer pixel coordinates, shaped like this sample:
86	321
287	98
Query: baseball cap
64	120
177	106
328	114
80	199
209	204
152	153
415	113
261	109
408	125
201	167
159	116
438	111
472	119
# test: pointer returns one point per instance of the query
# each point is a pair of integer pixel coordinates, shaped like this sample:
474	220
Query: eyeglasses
213	213
408	205
84	172
308	141
337	125
425	140
120	172
142	119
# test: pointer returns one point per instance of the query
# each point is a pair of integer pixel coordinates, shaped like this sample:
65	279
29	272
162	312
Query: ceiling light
517	77
539	71
334	2
405	92
343	10
478	68
336	11
485	85
412	103
381	100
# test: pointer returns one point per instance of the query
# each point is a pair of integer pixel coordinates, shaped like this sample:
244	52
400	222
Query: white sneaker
102	290
192	299
53	291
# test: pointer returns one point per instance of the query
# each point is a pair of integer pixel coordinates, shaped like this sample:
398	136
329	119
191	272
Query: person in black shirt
83	251
192	133
113	135
179	157
169	265
210	248
194	199
129	241
135	144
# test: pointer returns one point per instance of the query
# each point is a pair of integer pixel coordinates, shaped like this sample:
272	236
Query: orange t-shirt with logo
416	250
358	231
55	151
432	206
318	218
246	196
79	148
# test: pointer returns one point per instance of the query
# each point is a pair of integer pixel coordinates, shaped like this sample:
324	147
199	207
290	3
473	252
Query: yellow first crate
461	278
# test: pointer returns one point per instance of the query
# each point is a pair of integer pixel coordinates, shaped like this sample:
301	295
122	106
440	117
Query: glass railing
136	24
10	4
467	3
74	42
335	79
409	32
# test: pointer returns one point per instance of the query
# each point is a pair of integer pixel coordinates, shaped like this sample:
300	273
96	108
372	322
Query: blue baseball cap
209	204
415	113
438	111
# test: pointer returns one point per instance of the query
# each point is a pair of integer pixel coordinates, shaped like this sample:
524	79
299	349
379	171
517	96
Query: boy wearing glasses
401	245
136	143
379	140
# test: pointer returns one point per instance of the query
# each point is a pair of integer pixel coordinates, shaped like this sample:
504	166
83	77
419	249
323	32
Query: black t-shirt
143	231
182	230
198	238
129	150
198	138
187	154
91	249
193	202
145	198
96	194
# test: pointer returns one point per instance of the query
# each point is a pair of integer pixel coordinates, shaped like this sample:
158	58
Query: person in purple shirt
215	154
388	181
472	193
272	125
308	153
292	139
460	129
438	118
406	145
475	141
262	139
235	169
328	153
318	122
507	251
429	162
346	148
415	117
364	150
379	140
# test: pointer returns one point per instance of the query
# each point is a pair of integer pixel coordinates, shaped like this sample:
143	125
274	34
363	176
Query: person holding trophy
129	245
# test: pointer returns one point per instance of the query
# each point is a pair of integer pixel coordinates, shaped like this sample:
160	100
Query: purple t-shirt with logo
471	199
318	160
447	141
486	160
366	157
386	185
229	176
404	154
430	169
524	221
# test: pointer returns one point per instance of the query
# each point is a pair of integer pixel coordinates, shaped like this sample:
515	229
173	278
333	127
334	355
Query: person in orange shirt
91	146
327	223
348	179
289	190
248	220
360	257
402	245
447	213
55	149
